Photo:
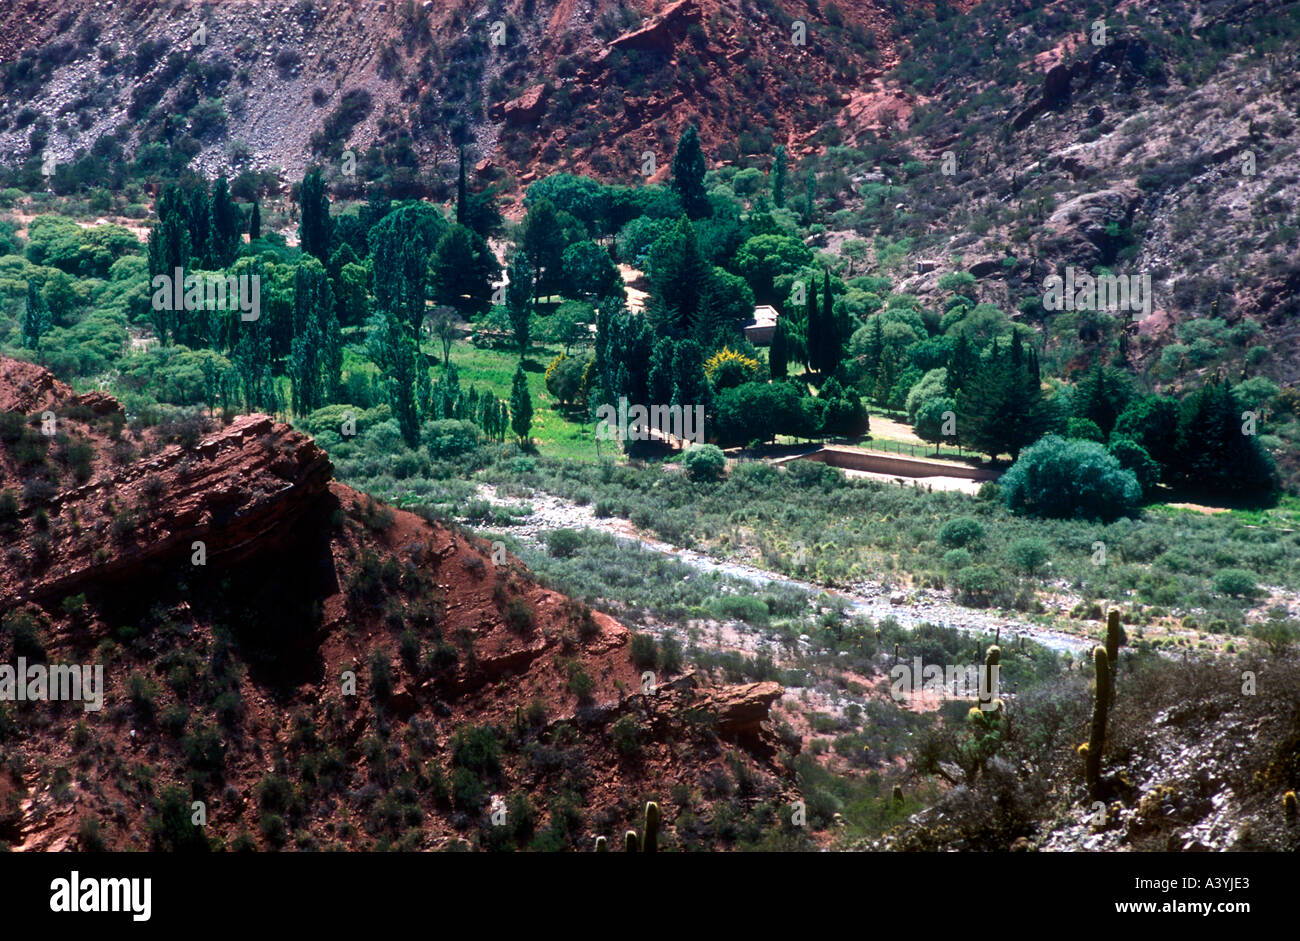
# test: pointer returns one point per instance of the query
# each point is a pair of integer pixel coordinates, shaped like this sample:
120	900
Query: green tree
931	419
1064	479
1101	396
225	225
400	245
521	405
776	356
255	221
688	174
464	271
763	259
829	344
519	298
36	318
679	275
316	351
543	240
779	168
1216	455
589	272
314	221
1004	408
392	348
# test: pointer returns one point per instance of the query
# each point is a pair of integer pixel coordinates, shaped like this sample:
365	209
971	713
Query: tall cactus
1289	809
650	842
1100	709
602	845
991	660
1114	638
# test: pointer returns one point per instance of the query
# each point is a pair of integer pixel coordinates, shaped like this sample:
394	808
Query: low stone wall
877	463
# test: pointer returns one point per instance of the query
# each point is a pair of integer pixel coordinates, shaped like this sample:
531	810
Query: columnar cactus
1114	639
647	843
650	842
602	845
1289	806
1100	708
991	659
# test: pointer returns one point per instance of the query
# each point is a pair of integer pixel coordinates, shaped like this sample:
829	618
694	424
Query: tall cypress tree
255	221
777	366
688	174
1002	409
225	225
314	221
519	299
812	329
779	164
521	405
830	349
962	365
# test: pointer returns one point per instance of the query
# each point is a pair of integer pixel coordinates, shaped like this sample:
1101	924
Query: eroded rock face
231	491
663	31
527	109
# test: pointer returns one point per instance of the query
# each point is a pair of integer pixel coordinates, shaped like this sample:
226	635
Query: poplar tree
521	405
314	221
779	165
36	318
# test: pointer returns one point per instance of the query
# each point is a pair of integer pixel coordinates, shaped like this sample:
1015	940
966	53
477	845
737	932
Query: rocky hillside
563	84
317	669
1162	145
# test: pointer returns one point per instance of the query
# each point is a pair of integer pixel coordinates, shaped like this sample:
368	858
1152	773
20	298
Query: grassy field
554	433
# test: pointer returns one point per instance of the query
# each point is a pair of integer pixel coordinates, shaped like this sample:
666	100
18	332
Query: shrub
1235	582
959	532
645	652
626	735
563	543
1067	479
955	559
1028	555
704	462
519	616
980	584
447	438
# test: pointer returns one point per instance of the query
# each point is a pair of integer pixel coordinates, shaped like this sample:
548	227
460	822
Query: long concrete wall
897	465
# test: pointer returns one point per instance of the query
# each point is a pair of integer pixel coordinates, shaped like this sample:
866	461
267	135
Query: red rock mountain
333	673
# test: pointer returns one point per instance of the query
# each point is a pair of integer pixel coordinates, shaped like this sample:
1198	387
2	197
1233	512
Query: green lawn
554	434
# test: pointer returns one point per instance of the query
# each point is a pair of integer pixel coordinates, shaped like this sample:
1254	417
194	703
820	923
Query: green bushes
960	532
981	585
1236	582
563	543
704	462
1028	555
1068	479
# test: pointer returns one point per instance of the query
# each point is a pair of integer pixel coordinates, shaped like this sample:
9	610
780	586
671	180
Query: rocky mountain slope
565	84
315	668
